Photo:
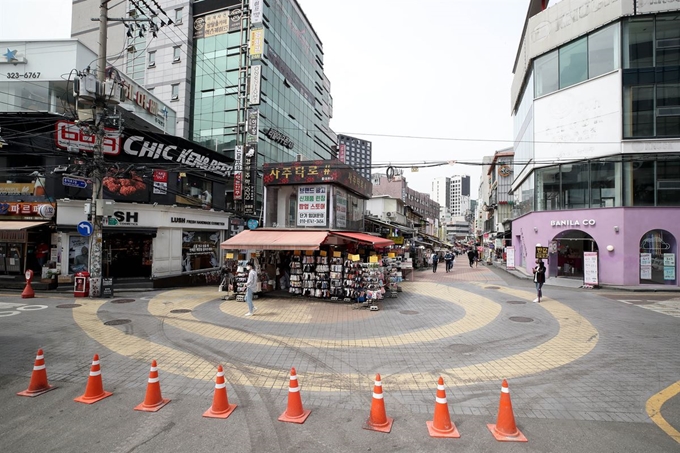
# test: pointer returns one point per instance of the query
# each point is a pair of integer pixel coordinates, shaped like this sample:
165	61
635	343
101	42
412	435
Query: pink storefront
635	246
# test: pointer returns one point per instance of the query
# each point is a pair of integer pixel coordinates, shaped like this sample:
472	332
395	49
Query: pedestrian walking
471	256
476	258
435	260
251	285
448	257
539	279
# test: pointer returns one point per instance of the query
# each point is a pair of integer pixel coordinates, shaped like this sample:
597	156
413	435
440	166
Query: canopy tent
375	241
276	240
14	225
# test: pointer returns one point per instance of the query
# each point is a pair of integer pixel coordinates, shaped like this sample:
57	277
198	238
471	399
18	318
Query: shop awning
275	240
11	225
376	241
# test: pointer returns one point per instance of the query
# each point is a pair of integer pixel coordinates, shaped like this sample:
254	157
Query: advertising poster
510	257
590	276
340	209
645	259
669	259
78	254
238	172
312	204
255	79
256	43
669	273
200	250
646	272
160	182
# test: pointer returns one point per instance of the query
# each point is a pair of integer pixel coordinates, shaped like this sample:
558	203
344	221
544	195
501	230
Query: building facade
357	153
441	193
460	195
596	110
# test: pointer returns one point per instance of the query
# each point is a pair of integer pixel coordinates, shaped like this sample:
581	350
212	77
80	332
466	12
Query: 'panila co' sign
572	223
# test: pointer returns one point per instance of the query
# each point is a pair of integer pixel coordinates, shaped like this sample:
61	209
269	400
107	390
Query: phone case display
352	280
308	275
322	278
240	280
295	278
393	274
373	279
336	273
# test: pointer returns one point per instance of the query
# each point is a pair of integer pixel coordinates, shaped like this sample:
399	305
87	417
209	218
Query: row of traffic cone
441	426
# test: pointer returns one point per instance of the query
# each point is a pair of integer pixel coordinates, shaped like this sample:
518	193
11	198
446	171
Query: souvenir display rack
336	280
295	278
240	279
308	275
322	277
393	275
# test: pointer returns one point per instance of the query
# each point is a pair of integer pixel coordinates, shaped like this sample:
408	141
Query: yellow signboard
337	254
229	256
373	259
256	42
391	255
354	257
309	252
322	253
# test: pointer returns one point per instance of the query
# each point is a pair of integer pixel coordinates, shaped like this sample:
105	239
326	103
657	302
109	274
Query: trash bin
81	286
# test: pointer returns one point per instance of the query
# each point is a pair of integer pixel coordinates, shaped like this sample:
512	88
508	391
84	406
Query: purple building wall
618	267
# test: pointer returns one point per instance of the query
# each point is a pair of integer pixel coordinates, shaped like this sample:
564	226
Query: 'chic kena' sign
572	223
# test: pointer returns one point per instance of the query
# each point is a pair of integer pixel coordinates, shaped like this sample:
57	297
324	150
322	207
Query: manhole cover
521	319
492	287
69	305
181	310
516	302
461	348
409	312
122	301
117	322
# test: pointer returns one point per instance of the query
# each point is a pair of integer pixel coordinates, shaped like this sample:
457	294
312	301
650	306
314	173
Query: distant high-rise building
460	194
441	192
357	153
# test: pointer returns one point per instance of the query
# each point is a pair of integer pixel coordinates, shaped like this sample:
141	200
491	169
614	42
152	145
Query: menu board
510	257
590	276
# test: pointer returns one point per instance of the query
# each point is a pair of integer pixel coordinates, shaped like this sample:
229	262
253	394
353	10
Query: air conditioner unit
390	214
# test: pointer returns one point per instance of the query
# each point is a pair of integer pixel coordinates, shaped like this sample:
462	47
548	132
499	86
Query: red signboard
70	135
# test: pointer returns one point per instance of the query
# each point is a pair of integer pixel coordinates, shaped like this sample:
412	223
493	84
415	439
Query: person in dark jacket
539	279
471	256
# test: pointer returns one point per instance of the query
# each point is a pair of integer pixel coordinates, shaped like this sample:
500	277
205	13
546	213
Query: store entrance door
127	255
570	247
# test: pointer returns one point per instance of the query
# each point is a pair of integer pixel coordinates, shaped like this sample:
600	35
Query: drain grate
117	322
181	310
521	319
492	287
69	305
122	301
516	302
409	312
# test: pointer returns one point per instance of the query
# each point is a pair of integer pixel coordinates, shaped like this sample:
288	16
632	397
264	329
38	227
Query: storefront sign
256	43
200	250
46	211
238	172
340	209
160	182
189	221
510	257
312	204
341	153
69	136
253	126
311	172
590	272
255	77
127	218
146	105
542	253
25	189
217	23
279	138
572	223
26	211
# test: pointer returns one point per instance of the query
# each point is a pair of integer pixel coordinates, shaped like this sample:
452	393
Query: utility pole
97	205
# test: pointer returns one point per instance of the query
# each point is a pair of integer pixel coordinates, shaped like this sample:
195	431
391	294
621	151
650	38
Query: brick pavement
572	361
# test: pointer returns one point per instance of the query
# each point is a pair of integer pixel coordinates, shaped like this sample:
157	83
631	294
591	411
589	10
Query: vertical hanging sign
256	43
238	172
256	10
250	162
255	76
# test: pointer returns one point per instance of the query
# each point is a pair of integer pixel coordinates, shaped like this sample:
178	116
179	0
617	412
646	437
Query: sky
438	71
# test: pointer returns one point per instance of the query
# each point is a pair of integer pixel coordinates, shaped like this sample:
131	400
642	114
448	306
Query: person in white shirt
251	284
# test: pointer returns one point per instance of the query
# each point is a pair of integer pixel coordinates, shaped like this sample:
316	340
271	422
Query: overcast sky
436	69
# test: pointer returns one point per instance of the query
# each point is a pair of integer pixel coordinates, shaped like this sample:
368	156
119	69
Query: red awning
376	241
276	240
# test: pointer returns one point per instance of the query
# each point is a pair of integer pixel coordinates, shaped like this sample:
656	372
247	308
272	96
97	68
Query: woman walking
539	279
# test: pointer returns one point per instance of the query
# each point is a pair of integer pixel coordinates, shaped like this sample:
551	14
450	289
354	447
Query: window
178	16
546	74
603	51
638	43
176	55
573	62
668	110
638	111
667	41
175	91
152	59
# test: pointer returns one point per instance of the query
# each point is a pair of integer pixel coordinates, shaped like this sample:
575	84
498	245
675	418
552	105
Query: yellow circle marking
576	338
653	407
479	312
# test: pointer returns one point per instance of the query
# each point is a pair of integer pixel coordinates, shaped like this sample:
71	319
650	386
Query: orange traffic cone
28	292
505	429
294	412
220	407
441	425
94	390
38	384
378	420
153	400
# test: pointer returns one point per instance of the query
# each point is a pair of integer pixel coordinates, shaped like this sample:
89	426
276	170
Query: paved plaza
588	370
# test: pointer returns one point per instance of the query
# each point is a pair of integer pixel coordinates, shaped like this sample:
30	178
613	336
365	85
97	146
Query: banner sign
510	257
279	138
255	78
249	178
24	211
314	172
340	208
256	43
312	204
256	11
542	253
253	126
238	172
590	275
160	182
217	23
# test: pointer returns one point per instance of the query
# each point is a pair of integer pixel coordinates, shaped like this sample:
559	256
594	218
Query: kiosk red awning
275	240
366	239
